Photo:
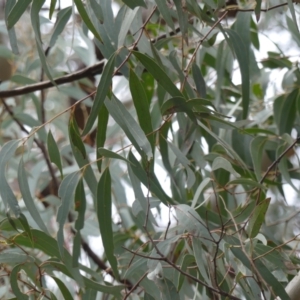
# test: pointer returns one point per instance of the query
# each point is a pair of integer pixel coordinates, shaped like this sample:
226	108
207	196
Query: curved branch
88	71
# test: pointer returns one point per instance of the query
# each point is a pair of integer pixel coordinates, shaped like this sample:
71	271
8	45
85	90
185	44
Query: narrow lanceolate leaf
80	155
199	81
185	162
132	130
141	105
292	10
286	107
227	147
165	12
16	12
159	74
54	152
86	19
104	218
97	10
80	207
182	18
241	52
102	90
7	195
64	290
35	21
66	192
52	8
26	227
63	17
11	32
149	180
14	275
130	15
110	154
257	151
101	132
258	217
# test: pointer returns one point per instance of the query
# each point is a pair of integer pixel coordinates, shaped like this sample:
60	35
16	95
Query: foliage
162	171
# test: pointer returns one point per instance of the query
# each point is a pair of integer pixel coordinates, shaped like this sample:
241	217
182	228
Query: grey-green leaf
105	219
54	153
66	192
7	195
102	90
133	131
159	74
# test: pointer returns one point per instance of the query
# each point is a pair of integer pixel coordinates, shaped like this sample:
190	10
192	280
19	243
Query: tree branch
88	71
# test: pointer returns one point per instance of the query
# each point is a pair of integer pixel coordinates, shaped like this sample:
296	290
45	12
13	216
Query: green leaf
54	153
97	10
223	163
62	19
35	21
110	154
271	280
185	162
199	81
11	32
66	192
16	13
258	217
79	152
199	257
177	104
142	201
165	12
129	17
52	8
25	225
282	109
14	257
105	219
187	261
7	195
129	126
102	91
199	190
134	3
257	151
168	289
226	146
75	138
141	104
14	283
292	10
242	55
101	132
182	18
158	73
149	180
64	290
246	182
87	283
86	19
80	207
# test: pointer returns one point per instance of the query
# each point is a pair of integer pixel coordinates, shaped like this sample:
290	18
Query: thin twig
135	286
275	162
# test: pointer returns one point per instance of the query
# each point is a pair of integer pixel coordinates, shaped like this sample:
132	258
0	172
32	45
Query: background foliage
149	150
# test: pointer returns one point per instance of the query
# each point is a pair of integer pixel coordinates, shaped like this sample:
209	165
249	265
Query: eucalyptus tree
149	150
